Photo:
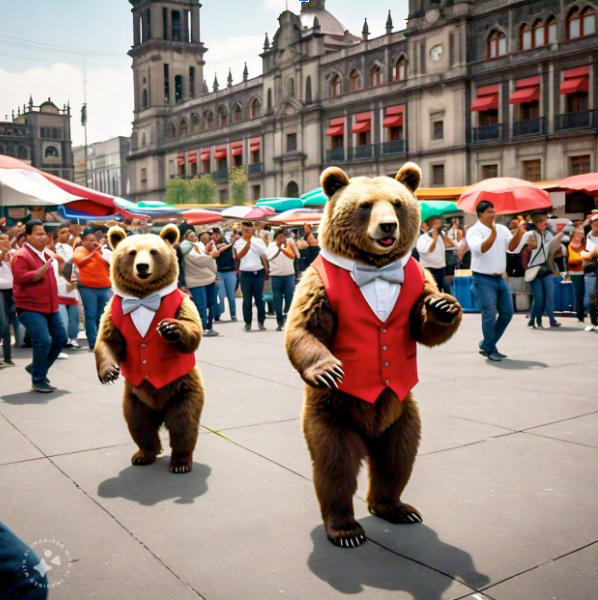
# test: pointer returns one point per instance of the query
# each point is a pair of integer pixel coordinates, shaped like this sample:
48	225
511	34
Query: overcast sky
233	31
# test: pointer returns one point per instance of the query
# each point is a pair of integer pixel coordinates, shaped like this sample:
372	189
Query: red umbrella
199	216
509	195
587	183
247	213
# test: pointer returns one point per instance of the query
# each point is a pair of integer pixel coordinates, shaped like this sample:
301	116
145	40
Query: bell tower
167	53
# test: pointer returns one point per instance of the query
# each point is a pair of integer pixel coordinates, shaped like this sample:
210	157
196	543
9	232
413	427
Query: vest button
143	345
144	362
387	381
386	364
147	377
383	330
384	347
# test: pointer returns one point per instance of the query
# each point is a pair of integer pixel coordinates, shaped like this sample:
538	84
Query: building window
437	174
292	190
178	88
256	107
394	134
256	192
166	84
291	142
532	170
551	30
355	79
172	131
375	76
401	69
581	24
143	140
223	195
177	29
438	130
336	86
489	171
525	38
22	152
578	102
165	23
308	92
529	110
10	151
488	117
269	105
539	34
195	123
580	165
208	119
55	133
183	130
221	116
205	166
192	82
145	99
51	152
497	44
238	161
143	180
237	113
291	87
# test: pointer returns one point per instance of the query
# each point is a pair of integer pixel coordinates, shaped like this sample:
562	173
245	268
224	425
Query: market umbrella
441	209
587	183
198	216
297	216
509	195
280	204
311	193
247	213
316	200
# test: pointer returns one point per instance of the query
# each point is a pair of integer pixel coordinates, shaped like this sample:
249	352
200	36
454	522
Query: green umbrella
281	204
315	200
311	193
439	208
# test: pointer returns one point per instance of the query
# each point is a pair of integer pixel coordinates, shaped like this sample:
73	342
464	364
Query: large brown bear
352	331
150	331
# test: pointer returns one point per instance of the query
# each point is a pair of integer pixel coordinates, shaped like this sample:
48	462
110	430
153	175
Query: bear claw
404	514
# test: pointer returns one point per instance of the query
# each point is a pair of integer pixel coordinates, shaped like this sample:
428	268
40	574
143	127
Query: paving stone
14	446
580	430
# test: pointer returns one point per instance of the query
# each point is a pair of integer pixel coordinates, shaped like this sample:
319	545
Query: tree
177	191
202	190
238	183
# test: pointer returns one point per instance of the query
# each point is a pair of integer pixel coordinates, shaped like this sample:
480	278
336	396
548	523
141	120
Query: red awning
484	103
206	154
524	95
335	131
220	154
192	157
395	110
361	127
180	155
181	162
393	121
579	84
577	72
237	151
255	144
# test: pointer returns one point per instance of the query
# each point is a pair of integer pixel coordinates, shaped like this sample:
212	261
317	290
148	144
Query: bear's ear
410	175
170	234
333	179
116	235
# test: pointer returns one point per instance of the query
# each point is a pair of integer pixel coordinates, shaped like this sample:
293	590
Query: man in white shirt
489	244
591	278
431	247
251	251
281	256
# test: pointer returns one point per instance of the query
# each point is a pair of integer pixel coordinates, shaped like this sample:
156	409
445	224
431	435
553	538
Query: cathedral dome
329	24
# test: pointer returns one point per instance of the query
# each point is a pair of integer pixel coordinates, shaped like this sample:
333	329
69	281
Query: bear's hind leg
391	462
181	417
336	454
143	423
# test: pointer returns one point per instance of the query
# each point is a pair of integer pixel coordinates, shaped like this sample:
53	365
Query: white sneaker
589	328
596	329
75	344
63	355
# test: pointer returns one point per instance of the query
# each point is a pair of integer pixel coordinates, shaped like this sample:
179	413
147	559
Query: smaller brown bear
150	331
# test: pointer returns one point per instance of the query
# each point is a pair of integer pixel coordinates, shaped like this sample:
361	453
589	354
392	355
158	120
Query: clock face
436	53
432	15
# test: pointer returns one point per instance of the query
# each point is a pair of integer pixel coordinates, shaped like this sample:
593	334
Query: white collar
42	254
347	264
163	292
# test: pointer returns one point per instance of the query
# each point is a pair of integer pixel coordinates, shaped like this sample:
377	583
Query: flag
84	115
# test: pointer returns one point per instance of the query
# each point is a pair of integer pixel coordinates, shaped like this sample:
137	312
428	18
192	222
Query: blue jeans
494	297
48	337
283	287
578	294
543	299
226	289
591	298
70	318
205	300
14	584
8	316
252	286
94	301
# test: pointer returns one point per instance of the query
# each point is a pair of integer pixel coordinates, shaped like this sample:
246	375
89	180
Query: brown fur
178	405
340	429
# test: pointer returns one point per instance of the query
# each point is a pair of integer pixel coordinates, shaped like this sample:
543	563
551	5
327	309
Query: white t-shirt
493	262
435	259
6	279
252	260
281	265
540	254
593	239
591	245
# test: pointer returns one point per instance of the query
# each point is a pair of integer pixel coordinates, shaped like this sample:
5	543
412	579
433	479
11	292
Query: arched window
208	119
195	123
525	38
145	99
256	108
291	87
222	116
539	34
355	79
237	113
178	88
551	31
375	76
172	131
51	152
308	92
143	140
2	149
292	190
580	24
55	133
10	151
401	69
22	152
43	133
269	105
183	129
497	44
336	86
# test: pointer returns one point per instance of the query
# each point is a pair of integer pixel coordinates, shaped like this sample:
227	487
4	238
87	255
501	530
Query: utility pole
84	115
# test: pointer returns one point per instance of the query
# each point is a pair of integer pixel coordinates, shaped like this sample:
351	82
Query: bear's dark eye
366	207
133	252
153	252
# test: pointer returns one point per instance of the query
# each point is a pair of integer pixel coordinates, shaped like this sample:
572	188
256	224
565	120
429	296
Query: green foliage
177	191
238	184
202	190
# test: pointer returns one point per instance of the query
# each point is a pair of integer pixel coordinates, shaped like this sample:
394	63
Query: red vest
375	355
151	358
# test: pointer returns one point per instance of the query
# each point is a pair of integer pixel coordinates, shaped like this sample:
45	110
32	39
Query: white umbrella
20	187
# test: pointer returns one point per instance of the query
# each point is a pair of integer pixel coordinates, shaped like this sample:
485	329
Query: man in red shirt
36	295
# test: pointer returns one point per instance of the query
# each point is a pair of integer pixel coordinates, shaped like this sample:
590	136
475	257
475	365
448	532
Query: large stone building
471	89
107	168
41	136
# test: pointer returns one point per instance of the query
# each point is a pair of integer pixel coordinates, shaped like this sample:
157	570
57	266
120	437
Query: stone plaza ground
506	480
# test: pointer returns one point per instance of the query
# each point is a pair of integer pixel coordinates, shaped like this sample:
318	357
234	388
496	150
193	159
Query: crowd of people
48	273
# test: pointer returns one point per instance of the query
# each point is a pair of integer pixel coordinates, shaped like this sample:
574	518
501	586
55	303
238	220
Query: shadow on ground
346	570
517	365
32	397
151	484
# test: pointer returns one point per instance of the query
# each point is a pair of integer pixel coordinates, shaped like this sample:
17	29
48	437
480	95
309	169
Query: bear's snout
143	270
388	227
